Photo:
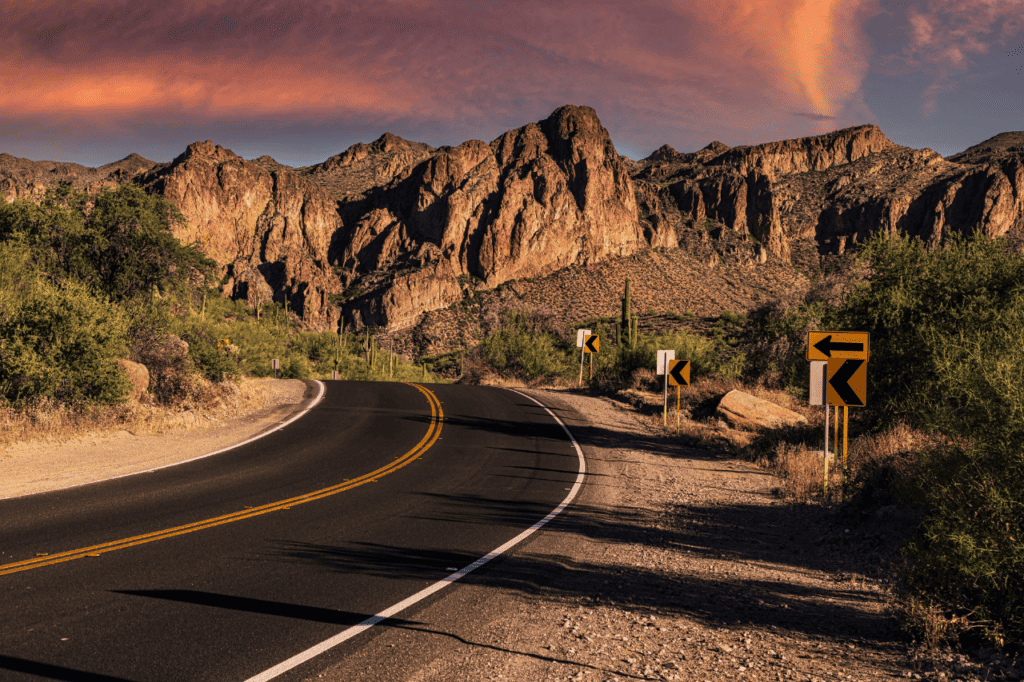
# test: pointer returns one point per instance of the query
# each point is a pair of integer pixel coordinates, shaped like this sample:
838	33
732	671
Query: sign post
678	375
276	365
664	357
581	334
591	345
839	370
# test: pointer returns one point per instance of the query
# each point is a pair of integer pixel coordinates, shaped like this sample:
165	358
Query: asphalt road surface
225	567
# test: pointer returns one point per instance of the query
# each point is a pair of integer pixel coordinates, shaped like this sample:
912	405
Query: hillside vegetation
87	281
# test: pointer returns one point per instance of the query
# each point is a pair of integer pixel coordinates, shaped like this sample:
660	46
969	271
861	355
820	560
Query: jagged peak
716	146
1010	142
207	149
663	153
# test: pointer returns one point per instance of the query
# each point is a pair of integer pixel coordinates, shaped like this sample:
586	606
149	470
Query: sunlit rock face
267	228
383	232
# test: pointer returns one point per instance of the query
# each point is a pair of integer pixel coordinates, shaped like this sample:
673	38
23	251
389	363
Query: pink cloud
739	70
944	33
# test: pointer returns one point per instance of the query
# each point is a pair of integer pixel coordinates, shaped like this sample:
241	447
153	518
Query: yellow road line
428	440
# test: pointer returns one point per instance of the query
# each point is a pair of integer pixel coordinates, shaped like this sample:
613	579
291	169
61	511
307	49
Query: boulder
138	375
744	411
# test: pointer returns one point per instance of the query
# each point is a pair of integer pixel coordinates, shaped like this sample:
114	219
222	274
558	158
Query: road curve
222	568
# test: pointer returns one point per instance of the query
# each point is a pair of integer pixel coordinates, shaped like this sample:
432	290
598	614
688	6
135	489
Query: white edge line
267	432
351	632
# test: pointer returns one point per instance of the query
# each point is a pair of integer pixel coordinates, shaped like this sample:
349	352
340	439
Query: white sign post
581	335
663	357
819	374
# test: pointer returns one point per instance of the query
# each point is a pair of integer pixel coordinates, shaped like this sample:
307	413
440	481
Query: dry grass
796	453
202	403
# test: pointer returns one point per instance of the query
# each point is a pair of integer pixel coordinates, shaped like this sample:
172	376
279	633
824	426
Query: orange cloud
656	70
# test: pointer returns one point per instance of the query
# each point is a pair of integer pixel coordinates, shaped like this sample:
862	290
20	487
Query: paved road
222	568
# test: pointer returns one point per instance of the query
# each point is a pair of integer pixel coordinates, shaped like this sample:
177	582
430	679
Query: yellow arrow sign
591	343
844	345
678	372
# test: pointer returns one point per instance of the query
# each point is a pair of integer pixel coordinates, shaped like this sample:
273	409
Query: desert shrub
120	247
521	347
620	366
918	305
59	341
209	354
947	357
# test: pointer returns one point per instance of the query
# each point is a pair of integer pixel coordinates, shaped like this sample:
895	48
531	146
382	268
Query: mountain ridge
383	232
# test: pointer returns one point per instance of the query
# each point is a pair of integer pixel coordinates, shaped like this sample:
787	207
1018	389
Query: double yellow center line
433	433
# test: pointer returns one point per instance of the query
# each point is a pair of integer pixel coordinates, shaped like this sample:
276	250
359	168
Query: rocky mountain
537	199
25	179
270	229
384	232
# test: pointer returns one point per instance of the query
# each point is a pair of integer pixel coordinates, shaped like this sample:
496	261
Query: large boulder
138	375
744	411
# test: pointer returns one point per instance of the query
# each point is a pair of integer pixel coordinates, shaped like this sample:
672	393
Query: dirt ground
674	564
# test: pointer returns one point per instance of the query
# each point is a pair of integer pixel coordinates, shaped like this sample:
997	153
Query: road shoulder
673	564
30	468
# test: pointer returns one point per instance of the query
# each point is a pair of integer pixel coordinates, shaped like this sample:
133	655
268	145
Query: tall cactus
627	325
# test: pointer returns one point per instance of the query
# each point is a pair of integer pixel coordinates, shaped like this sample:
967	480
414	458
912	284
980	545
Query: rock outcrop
138	377
384	232
25	179
536	199
748	412
253	220
734	187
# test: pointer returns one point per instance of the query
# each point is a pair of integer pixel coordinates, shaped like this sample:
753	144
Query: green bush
518	348
918	304
59	341
947	355
121	247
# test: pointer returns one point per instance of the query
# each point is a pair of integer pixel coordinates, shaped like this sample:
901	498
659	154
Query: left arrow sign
591	343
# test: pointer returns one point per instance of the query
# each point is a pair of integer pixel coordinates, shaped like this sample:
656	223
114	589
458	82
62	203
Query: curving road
225	567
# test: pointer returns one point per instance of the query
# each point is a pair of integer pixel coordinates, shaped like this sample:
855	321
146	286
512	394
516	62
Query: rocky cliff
385	231
538	198
270	229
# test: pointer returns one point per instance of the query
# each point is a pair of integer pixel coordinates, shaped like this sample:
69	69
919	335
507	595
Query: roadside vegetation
940	437
88	281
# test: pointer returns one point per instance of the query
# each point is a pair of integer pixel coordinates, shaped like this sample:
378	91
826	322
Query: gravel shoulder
673	564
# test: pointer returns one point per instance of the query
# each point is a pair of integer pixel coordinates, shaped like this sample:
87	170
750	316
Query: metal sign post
591	345
664	356
826	450
581	334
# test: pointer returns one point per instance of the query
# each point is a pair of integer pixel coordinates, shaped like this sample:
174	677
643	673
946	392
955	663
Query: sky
91	82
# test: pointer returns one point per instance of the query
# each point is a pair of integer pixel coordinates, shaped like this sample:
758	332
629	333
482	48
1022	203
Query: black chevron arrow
591	340
827	345
840	382
677	373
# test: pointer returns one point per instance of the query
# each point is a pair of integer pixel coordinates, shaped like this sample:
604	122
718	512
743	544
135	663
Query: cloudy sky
92	81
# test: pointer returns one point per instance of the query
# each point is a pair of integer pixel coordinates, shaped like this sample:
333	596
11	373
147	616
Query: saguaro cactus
626	329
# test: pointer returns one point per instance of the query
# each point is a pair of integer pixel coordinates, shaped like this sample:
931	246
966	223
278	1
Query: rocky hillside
382	233
25	179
